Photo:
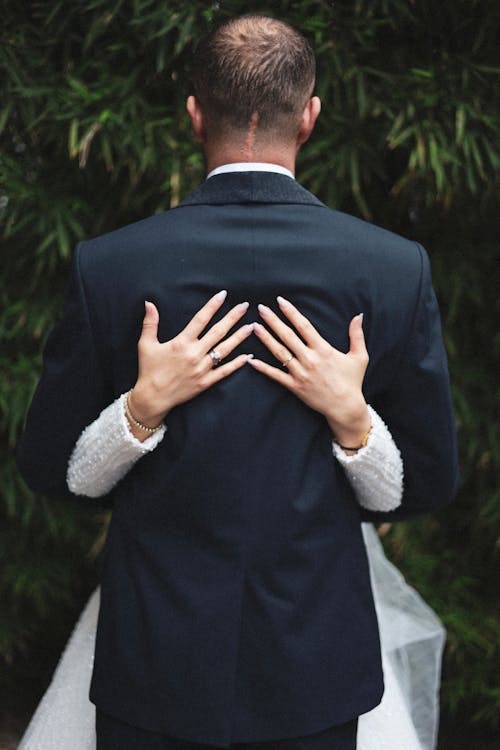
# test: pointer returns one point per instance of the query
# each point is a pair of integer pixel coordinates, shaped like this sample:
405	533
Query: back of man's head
253	69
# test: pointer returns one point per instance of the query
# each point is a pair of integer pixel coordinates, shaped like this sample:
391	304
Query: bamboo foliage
94	135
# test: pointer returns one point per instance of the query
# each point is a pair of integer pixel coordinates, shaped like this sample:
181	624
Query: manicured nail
249	328
282	301
263	309
249	357
243	306
360	316
221	296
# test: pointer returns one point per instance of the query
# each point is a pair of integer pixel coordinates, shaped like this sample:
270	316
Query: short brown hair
254	64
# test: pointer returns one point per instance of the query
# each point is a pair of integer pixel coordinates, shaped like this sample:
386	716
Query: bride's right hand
177	370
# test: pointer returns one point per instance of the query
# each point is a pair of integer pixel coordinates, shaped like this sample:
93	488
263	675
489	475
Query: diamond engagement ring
215	357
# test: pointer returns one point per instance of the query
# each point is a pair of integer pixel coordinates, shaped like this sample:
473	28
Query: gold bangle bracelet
136	421
364	441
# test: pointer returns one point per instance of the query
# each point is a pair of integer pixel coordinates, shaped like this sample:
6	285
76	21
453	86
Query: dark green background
93	135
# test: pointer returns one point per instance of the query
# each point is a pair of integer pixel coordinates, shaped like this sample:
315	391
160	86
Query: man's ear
308	120
197	120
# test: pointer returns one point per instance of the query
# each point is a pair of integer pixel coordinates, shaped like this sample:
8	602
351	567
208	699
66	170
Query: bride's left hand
324	378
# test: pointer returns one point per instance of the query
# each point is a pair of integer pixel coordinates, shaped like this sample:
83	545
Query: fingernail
249	328
263	309
282	301
360	316
249	357
221	296
243	306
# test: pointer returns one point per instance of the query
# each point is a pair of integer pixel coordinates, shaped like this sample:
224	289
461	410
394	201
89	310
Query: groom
235	599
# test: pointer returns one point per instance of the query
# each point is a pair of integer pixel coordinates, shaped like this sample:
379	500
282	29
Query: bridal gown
412	640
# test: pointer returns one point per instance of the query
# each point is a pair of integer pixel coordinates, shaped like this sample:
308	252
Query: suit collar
250	187
250	166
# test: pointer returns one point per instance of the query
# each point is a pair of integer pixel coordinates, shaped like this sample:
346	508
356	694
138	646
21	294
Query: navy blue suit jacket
235	597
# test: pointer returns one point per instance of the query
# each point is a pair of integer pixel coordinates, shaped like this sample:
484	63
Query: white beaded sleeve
376	471
105	451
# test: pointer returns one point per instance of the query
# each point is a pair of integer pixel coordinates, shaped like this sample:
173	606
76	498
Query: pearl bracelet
136	421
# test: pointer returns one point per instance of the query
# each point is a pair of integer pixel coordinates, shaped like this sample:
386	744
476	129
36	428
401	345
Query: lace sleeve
376	471
105	451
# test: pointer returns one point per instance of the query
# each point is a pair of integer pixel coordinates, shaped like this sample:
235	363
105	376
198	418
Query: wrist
143	410
352	430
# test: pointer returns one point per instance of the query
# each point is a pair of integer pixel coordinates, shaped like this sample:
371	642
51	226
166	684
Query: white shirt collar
250	166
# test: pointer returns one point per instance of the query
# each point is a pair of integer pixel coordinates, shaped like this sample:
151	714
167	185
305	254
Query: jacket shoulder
381	249
362	230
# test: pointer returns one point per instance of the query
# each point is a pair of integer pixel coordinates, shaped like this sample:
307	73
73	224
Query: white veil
412	639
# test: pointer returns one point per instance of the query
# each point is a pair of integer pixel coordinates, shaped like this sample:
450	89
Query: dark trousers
114	734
